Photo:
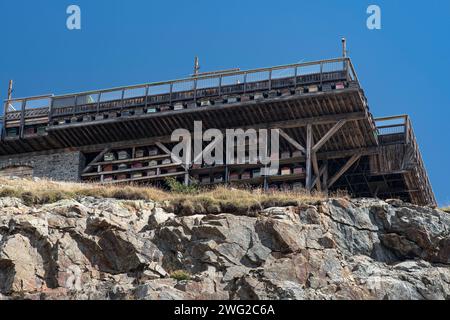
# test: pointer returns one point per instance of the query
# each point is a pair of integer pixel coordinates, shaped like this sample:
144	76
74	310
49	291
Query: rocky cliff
92	248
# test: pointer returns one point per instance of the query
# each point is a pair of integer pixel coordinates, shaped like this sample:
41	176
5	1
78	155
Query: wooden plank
325	176
97	158
328	135
315	165
344	169
174	157
308	183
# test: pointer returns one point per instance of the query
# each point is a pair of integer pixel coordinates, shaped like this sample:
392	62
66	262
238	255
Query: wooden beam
315	165
174	157
296	145
96	159
321	173
308	157
344	169
328	135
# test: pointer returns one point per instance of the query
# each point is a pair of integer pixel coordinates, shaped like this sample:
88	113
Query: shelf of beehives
260	180
131	170
157	177
130	160
218	168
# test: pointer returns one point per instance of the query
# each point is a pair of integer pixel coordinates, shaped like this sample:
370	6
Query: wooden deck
329	137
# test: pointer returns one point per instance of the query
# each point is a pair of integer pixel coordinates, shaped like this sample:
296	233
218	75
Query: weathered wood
316	171
328	135
96	159
174	157
296	145
308	157
344	169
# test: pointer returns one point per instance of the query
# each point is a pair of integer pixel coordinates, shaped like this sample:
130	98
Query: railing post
407	130
75	105
146	96
220	87
321	74
98	104
5	112
270	79
50	112
22	119
171	94
295	77
245	83
122	103
195	90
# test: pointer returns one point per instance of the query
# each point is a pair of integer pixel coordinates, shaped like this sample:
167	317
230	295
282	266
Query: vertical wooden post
308	157
325	177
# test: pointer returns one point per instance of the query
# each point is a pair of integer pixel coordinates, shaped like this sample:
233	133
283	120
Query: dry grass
446	209
220	199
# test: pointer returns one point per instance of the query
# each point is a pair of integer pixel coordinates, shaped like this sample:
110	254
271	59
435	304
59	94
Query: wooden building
329	139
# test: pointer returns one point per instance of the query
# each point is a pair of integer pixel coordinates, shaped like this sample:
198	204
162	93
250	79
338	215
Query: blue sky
403	67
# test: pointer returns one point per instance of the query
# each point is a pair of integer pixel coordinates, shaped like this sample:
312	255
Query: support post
325	177
315	165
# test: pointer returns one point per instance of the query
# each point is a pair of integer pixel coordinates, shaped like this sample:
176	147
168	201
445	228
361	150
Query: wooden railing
19	112
399	129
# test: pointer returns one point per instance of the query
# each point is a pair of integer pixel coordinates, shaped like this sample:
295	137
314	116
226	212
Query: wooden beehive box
121	177
205	179
296	154
218	178
109	156
178	106
299	170
40	130
246	175
137	175
107	168
297	186
153	151
285	171
151	173
285	155
164	108
234	176
108	178
340	86
153	163
313	89
139	153
29	131
256	173
123	155
122	166
166	161
137	165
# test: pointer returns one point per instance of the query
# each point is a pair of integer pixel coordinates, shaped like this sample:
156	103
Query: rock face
109	249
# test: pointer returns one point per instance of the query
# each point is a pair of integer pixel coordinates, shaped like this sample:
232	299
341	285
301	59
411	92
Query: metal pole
344	47
10	89
196	66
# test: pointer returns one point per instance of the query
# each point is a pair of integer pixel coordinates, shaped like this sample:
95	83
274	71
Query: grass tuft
180	275
180	201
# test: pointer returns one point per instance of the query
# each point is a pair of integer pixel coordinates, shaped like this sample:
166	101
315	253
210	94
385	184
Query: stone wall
61	166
